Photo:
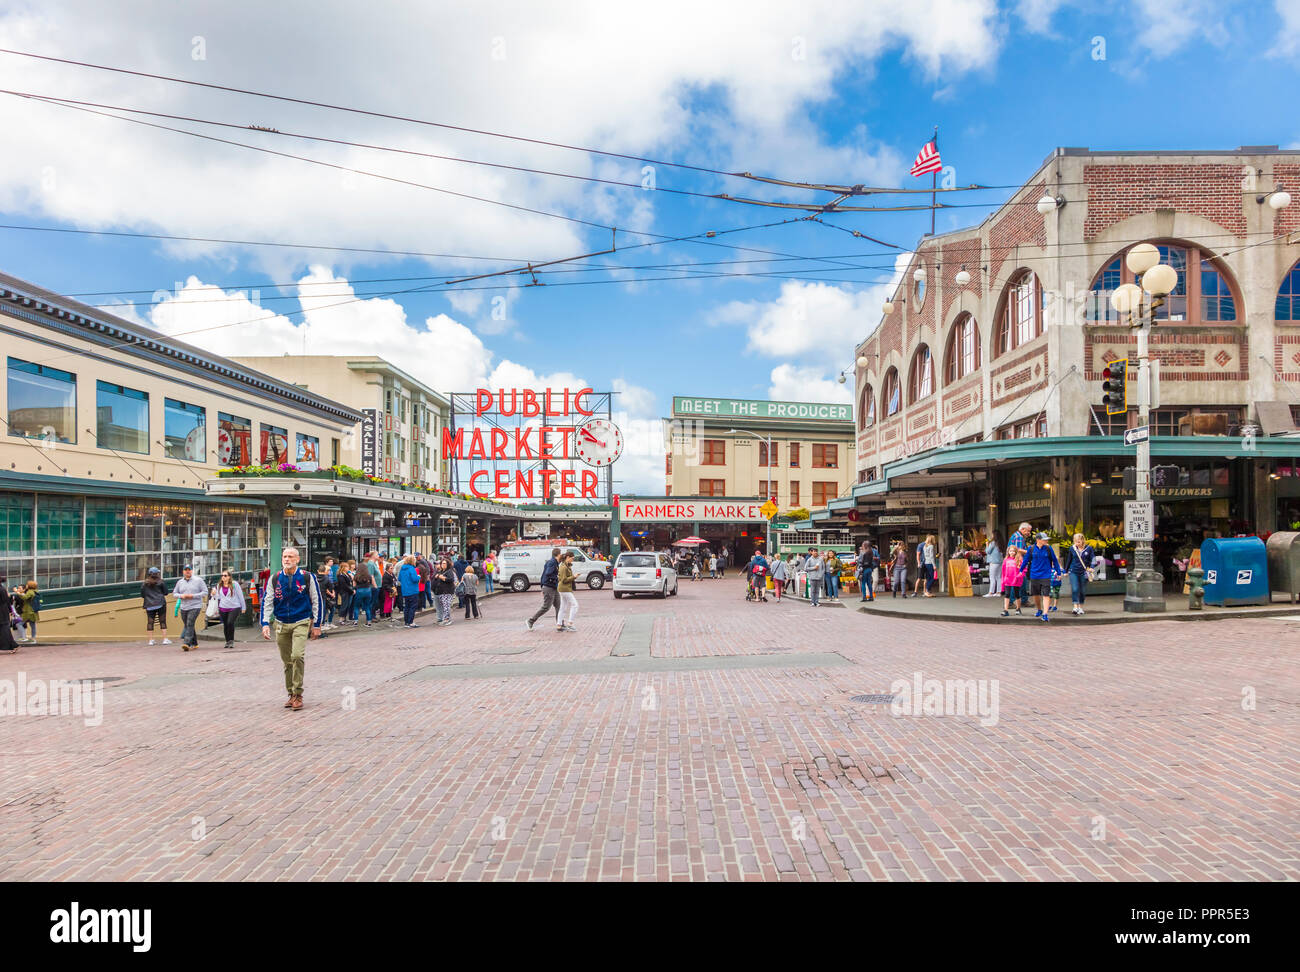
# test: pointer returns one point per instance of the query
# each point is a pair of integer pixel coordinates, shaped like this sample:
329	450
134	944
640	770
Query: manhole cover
873	699
517	650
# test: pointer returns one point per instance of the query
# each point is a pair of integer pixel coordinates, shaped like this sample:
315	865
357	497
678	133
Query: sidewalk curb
1074	620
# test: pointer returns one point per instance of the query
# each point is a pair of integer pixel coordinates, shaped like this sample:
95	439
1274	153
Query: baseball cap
154	572
1043	536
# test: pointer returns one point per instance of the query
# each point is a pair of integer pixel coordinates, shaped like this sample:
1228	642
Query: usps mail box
1236	571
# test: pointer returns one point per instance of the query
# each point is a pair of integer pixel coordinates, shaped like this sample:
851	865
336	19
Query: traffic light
1114	382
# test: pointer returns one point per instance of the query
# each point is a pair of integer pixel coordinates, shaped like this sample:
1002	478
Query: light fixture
1126	298
862	361
1095	480
1160	280
1142	258
887	307
1047	485
1278	198
918	274
842	379
1048	203
962	278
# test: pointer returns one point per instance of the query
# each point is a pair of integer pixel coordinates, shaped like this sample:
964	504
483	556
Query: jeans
188	617
568	608
228	618
550	599
868	576
330	607
487	584
815	589
409	603
362	601
1078	587
471	602
900	580
345	606
832	585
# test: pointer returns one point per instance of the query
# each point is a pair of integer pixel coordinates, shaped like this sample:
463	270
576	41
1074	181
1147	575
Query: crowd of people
352	594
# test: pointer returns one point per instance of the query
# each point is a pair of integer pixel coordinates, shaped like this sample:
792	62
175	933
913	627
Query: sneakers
152	642
445	622
412	625
1006	614
529	624
230	644
569	627
1017	612
1043	617
167	641
1037	614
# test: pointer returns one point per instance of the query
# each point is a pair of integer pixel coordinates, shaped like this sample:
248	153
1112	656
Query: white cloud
728	83
1166	26
1037	15
791	383
1288	42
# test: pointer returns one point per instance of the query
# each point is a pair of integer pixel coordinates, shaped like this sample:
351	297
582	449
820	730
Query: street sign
768	509
1139	520
1140	434
781	526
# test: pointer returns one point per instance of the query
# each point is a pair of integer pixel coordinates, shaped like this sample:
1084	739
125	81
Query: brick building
981	387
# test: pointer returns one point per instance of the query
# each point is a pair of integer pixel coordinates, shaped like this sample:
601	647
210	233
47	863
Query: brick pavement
1112	758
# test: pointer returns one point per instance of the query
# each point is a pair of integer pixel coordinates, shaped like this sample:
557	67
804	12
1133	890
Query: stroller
756	589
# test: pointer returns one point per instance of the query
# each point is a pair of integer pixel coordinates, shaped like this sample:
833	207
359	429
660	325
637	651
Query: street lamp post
1144	591
767	543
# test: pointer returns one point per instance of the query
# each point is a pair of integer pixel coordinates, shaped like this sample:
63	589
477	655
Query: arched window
963	355
892	400
1020	319
866	408
1288	296
920	382
1204	297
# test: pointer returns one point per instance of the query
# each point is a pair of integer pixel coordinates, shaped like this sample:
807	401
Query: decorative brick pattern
1017	378
1116	192
1185	354
1013	364
920	417
1022	225
1282	353
963	400
1288	177
952	258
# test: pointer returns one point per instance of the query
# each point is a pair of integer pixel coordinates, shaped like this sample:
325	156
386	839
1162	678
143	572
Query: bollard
1196	589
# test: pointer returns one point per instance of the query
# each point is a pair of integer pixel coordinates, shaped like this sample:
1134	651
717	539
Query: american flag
927	160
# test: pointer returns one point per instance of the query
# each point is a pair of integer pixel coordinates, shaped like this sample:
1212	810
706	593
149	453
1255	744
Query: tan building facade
402	419
719	447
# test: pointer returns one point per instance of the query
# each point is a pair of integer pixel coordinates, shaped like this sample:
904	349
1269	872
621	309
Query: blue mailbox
1236	571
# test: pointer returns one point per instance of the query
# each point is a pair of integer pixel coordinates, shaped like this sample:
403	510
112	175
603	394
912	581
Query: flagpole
934	182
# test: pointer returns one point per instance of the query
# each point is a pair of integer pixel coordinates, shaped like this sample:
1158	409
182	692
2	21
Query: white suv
644	573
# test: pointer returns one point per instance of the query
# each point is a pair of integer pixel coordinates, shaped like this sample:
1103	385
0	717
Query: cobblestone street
694	738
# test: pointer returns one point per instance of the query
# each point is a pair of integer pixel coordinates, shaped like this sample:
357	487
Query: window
767	490
963	354
1164	421
334	452
388	403
794	494
713	452
826	455
1030	428
794	452
406	404
713	487
234	440
893	399
275	445
668	464
1198	298
918	292
1288	296
42	402
17	520
1099	423
60	545
308	450
823	493
121	418
866	408
185	431
920	382
105	541
763	459
1021	320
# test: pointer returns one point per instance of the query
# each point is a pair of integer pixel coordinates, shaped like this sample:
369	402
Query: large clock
598	442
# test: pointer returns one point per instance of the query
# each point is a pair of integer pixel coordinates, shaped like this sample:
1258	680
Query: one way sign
1133	436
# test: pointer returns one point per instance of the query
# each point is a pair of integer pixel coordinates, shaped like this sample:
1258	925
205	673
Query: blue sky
797	94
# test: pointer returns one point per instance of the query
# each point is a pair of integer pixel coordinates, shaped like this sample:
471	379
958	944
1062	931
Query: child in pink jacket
1013	575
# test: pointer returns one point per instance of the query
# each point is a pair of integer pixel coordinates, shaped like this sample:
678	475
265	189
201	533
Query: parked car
519	565
644	573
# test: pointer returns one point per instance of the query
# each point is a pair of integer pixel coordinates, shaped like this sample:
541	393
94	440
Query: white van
519	565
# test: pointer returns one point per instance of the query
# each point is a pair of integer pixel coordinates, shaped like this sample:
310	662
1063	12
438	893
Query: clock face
598	442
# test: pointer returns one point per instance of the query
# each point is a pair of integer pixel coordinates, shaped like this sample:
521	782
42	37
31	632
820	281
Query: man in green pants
293	601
